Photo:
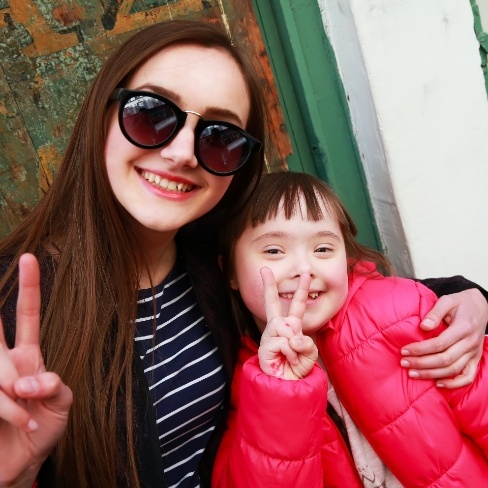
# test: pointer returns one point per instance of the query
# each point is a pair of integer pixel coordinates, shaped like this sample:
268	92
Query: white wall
483	9
420	111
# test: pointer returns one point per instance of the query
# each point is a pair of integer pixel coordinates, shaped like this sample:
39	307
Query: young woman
134	327
163	139
294	243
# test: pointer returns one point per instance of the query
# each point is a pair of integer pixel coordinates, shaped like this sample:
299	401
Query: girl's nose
303	265
181	150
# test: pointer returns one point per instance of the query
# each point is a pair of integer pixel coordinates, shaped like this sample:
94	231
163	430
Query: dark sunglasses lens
223	149
148	121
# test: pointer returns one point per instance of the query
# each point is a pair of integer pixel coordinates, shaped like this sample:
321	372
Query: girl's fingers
272	304
299	301
276	347
272	299
305	346
28	302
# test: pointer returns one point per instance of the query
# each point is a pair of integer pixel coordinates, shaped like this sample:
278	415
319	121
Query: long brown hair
283	191
87	329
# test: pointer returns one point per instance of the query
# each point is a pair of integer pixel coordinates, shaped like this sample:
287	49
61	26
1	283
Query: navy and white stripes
184	371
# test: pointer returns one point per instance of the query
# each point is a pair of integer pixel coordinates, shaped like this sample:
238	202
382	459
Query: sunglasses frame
122	95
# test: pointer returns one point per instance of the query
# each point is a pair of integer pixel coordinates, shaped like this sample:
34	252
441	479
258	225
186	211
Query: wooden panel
49	53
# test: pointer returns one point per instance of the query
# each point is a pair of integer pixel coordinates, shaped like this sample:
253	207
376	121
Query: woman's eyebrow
217	112
224	113
160	90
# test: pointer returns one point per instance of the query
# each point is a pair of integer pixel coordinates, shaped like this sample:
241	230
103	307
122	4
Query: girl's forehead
299	208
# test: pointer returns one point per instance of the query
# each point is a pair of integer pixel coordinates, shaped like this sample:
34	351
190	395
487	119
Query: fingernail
32	425
405	363
440	385
28	384
405	352
413	374
428	323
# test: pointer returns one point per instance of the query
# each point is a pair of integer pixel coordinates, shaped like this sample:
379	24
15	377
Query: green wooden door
314	104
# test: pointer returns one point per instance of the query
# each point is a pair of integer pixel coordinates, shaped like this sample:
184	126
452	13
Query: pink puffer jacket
427	436
280	435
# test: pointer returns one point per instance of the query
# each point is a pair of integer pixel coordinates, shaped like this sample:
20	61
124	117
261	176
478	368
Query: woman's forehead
204	79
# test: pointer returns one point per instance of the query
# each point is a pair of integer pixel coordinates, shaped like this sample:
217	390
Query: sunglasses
149	120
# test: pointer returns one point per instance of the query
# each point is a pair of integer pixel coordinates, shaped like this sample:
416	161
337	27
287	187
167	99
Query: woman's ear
232	281
233	284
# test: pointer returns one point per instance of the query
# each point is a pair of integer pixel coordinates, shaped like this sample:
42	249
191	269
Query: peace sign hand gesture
284	351
34	404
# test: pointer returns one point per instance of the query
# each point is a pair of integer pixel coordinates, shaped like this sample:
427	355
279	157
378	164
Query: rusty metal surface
49	53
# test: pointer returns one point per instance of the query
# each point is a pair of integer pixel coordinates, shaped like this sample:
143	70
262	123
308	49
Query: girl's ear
232	281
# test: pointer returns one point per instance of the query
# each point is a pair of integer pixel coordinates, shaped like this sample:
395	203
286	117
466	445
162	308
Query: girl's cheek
252	295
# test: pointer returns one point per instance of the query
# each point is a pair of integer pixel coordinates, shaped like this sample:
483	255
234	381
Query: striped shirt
184	372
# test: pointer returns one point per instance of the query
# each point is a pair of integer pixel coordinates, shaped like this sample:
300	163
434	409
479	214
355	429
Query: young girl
294	244
133	325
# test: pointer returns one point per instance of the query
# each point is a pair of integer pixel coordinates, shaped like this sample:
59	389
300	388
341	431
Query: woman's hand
284	351
452	358
34	404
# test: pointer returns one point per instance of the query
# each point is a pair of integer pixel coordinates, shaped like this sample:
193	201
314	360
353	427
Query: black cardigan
211	295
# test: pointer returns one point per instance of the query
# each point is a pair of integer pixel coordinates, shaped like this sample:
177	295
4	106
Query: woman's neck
157	259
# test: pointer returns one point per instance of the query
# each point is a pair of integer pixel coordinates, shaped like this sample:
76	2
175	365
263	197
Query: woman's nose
181	150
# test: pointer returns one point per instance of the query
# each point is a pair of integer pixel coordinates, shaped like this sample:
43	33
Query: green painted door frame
482	36
314	104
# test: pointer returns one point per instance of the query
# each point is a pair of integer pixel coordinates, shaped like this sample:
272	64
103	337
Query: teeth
165	183
312	295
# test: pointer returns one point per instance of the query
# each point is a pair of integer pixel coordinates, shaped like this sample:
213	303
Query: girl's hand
34	404
284	351
452	358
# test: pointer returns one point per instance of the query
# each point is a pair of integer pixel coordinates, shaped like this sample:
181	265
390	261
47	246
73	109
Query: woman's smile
166	183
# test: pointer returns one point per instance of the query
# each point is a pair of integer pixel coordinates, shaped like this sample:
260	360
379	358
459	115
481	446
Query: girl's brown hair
87	329
284	190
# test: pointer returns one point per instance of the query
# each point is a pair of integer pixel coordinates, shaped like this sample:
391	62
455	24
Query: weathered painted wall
422	125
49	53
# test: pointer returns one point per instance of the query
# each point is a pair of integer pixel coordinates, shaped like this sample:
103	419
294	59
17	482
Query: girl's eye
272	250
323	249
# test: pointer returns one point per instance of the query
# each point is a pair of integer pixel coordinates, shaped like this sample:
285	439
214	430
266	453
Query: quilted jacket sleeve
470	405
276	434
279	433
